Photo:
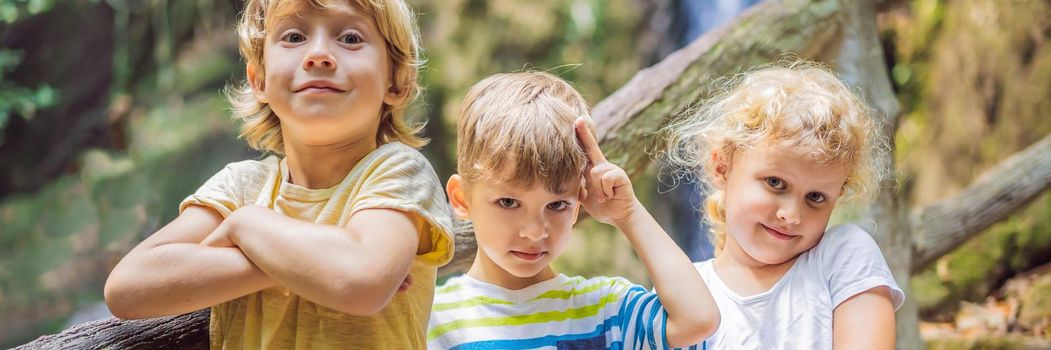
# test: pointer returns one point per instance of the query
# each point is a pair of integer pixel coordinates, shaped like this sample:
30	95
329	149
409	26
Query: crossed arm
200	259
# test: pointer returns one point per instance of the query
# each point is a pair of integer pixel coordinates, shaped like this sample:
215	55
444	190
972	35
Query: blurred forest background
111	112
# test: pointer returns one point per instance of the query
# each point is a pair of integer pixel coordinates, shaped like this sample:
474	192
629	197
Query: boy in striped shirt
527	162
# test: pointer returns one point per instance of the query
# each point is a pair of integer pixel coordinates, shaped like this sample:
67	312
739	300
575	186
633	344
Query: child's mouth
528	256
777	234
319	90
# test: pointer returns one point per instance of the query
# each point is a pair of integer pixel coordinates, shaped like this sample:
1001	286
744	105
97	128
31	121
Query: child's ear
457	198
396	95
720	168
257	82
582	195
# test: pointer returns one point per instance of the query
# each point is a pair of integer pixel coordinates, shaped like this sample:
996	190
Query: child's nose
534	230
789	213
319	57
323	62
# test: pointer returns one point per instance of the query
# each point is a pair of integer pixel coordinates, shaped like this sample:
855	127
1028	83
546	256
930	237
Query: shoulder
609	282
397	151
846	236
253	167
851	262
395	159
607	288
704	268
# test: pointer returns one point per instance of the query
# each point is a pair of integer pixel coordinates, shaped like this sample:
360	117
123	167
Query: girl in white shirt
779	148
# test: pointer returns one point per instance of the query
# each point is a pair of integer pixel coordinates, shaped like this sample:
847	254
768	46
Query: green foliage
12	10
19	100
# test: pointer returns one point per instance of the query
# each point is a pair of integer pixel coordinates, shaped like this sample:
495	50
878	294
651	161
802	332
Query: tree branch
991	198
628	120
466	247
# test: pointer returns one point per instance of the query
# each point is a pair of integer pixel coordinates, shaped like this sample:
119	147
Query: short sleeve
222	192
401	178
852	263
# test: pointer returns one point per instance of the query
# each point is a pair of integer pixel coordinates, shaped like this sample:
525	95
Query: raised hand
608	195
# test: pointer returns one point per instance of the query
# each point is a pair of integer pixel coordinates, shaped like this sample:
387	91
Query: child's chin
773	258
521	272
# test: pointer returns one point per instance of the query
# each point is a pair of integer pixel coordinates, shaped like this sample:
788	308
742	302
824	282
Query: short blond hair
798	106
261	128
521	124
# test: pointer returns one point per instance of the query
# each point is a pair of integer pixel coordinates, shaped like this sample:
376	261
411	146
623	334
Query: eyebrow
295	16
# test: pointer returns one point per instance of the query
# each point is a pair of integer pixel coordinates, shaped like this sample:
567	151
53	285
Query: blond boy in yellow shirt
308	247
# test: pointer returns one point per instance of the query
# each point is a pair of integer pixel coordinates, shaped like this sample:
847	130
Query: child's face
778	203
327	76
519	229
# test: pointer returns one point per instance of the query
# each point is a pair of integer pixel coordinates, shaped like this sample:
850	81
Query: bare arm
354	269
692	313
865	321
171	273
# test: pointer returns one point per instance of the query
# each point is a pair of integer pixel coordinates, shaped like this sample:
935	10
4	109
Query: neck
324	166
486	270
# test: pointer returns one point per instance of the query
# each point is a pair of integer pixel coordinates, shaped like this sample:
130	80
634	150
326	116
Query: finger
595	185
583	190
405	284
610	181
588	142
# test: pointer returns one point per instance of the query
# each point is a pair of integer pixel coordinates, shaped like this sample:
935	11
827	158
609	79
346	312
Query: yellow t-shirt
394	176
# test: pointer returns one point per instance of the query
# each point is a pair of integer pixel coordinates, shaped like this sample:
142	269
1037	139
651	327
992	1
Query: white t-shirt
796	313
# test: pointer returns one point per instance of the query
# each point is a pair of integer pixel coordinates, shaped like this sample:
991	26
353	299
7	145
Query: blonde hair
521	123
397	25
799	106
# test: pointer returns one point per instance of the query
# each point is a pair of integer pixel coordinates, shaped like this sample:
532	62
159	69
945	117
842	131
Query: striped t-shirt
560	313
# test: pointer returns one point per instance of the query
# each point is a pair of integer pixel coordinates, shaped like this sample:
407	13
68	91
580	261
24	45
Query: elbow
124	301
693	329
117	301
363	298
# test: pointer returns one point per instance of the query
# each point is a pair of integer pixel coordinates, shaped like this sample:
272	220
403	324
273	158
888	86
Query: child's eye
295	38
775	183
507	203
815	197
351	39
558	206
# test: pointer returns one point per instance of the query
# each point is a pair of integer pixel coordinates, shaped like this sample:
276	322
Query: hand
608	195
405	284
220	237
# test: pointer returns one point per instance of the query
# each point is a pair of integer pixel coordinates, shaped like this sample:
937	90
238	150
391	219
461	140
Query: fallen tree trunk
189	331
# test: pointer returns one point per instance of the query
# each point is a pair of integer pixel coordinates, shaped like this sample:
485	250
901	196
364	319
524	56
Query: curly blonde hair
798	105
261	128
521	123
